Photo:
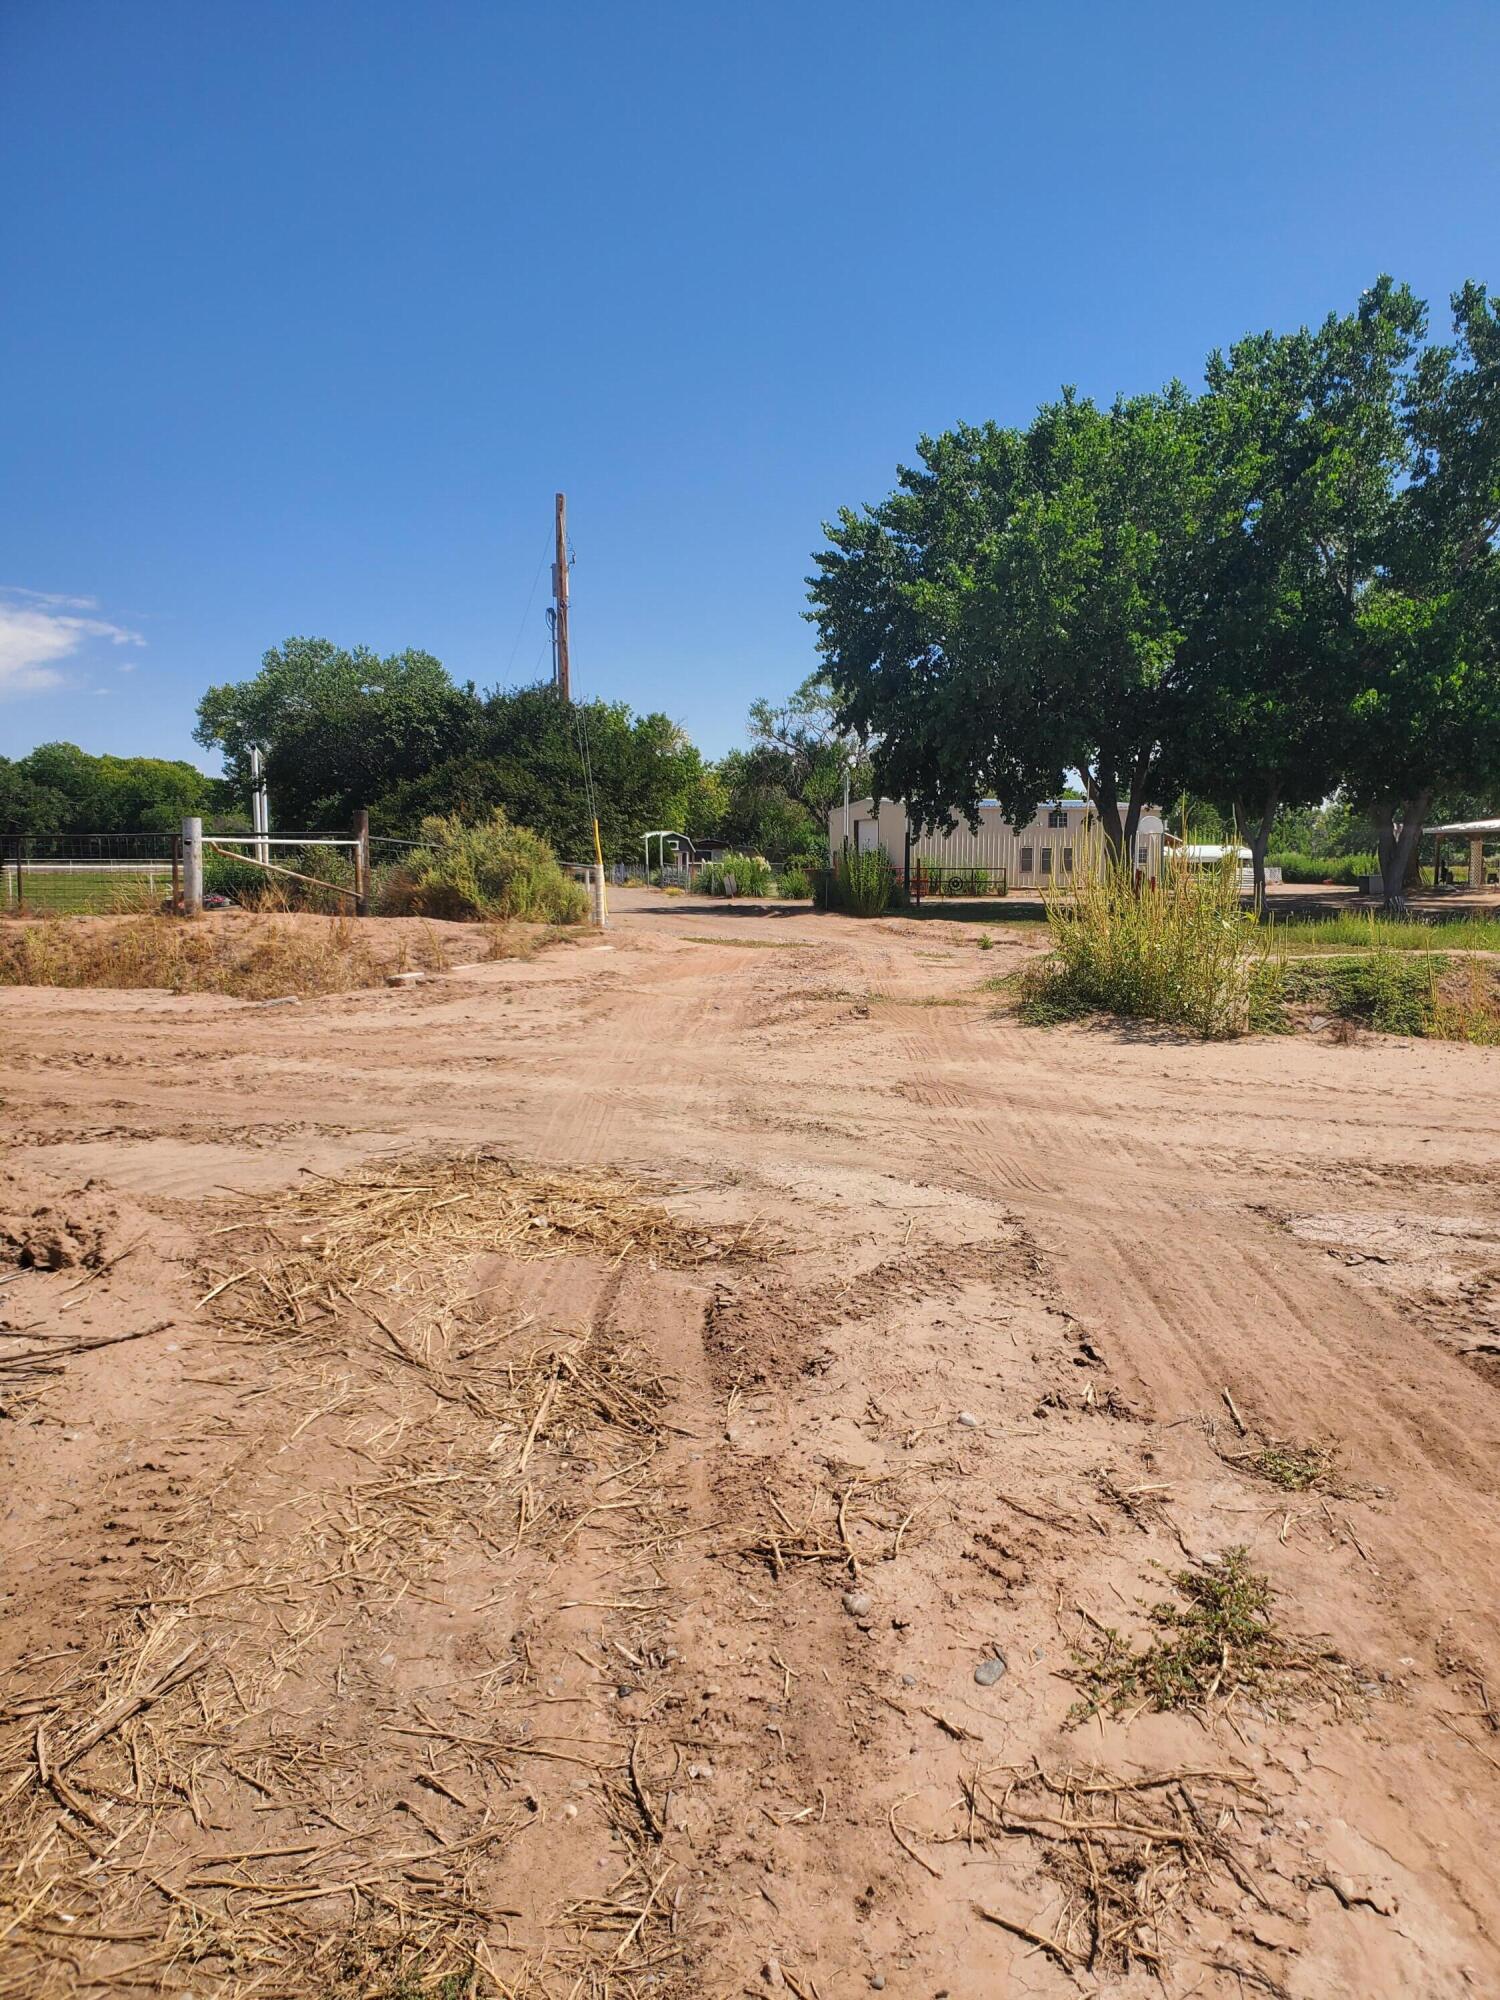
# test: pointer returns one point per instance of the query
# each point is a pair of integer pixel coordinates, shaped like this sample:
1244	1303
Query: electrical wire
530	599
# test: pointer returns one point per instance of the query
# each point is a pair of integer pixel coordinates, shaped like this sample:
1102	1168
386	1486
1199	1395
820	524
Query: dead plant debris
352	1230
210	1797
1132	1857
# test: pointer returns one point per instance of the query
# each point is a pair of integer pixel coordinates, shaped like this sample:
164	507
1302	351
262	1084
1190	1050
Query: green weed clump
796	882
482	873
1181	950
1295	1468
1389	991
1349	870
1216	1640
1396	992
864	882
750	875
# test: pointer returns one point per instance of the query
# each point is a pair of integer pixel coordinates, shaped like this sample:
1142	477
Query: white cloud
39	631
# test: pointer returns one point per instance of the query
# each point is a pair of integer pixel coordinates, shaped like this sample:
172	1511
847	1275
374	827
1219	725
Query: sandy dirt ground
608	1474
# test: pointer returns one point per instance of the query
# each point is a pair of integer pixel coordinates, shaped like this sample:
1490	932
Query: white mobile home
1058	840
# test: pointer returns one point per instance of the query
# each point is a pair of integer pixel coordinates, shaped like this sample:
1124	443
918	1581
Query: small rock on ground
989	1671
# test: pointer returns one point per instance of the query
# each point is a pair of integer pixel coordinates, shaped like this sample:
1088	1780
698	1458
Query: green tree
1304	437
528	755
27	805
1427	712
1016	610
339	729
763	812
60	789
1281	589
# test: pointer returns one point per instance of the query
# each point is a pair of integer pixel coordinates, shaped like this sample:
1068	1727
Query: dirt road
588	1569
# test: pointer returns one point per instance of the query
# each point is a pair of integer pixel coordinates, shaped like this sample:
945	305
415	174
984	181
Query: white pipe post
192	868
260	805
601	907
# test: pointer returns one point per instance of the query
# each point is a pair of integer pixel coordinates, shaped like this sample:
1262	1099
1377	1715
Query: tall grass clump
1349	870
1369	930
480	873
796	881
864	882
1180	950
738	875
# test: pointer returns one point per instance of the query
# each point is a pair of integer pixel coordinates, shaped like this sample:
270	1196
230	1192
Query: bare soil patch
599	1476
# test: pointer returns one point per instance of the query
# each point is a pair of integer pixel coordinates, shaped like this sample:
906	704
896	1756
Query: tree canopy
339	729
59	789
525	752
1277	587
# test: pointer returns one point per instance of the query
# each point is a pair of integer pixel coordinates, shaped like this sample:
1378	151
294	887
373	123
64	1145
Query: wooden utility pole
560	598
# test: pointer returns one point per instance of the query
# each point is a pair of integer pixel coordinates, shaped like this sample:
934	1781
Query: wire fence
93	874
136	874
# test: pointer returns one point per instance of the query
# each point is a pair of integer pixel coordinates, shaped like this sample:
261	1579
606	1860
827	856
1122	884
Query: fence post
17	838
362	863
192	868
597	898
176	874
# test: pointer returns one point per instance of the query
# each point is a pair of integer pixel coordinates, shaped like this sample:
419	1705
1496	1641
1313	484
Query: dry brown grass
250	957
217	1794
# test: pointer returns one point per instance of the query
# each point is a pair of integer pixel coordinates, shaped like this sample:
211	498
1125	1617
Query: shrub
254	889
864	882
480	873
1348	869
750	873
796	881
1181	950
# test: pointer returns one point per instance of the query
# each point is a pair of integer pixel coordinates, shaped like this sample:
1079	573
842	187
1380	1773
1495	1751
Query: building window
1143	854
1058	816
1067	867
1026	854
1046	860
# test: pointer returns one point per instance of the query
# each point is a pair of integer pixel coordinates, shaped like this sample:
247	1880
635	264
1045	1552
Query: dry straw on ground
1130	1858
224	1793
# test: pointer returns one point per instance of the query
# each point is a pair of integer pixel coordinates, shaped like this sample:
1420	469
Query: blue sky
311	307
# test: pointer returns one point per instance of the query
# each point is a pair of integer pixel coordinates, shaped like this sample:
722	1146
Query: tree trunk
1404	848
1383	819
1131	828
1105	800
1259	833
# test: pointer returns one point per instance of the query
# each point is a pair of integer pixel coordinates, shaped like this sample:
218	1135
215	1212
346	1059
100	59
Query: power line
530	597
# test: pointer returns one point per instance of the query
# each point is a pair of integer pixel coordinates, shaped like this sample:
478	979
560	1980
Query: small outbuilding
1061	839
